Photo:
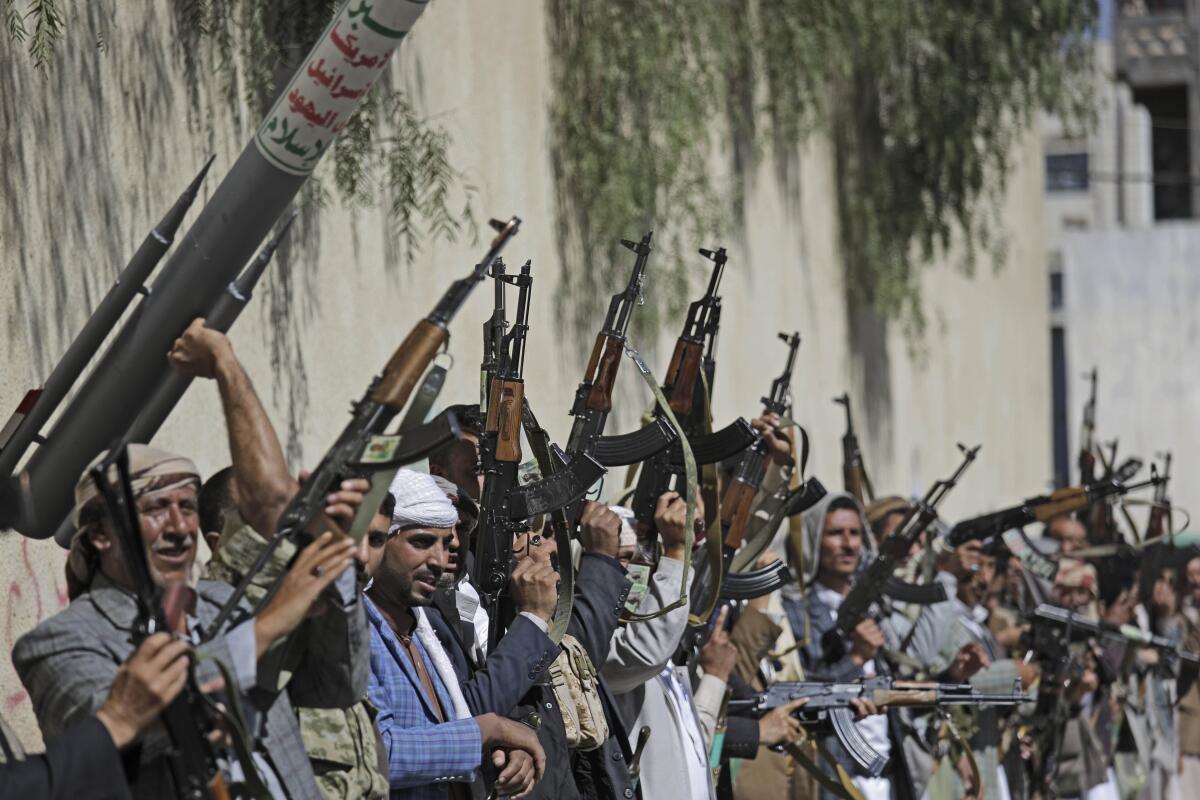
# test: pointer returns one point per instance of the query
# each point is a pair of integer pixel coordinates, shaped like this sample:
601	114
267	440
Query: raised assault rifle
684	386
854	471
593	398
1043	509
873	584
361	447
832	703
505	506
192	759
738	500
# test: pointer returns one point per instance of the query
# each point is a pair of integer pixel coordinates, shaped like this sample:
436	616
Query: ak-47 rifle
874	582
1043	509
736	505
1159	523
505	507
738	499
1098	519
593	398
832	704
854	471
192	758
684	387
362	448
1083	628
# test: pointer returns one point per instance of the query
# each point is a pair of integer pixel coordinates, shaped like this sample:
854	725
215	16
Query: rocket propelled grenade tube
170	389
106	315
326	89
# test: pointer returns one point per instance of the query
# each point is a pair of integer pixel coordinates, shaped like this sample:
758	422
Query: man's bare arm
264	486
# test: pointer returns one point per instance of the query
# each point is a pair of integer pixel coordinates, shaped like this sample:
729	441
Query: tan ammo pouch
577	690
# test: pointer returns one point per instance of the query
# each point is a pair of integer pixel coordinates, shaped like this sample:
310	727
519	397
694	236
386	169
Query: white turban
420	501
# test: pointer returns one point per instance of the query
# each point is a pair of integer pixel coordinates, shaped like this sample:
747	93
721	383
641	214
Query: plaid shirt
423	754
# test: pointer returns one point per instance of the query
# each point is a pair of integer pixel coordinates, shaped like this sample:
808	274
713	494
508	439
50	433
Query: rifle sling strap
843	787
539	442
689	464
251	785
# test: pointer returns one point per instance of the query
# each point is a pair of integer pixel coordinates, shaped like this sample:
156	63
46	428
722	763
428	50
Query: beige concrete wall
1130	300
95	149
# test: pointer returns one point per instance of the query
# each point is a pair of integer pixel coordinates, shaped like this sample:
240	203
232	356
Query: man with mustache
434	745
68	663
835	542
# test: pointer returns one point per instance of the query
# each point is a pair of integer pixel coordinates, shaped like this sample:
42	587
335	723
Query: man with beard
239	508
834	532
68	663
434	745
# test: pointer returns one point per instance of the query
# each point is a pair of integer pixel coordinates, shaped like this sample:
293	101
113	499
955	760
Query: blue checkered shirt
424	755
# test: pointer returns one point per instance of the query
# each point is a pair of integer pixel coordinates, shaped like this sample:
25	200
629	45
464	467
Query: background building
1122	243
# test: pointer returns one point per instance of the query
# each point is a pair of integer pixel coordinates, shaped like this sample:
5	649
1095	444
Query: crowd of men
374	670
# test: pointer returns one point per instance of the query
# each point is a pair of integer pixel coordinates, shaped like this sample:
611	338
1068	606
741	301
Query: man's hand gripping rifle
833	704
505	506
193	759
685	384
737	501
362	447
872	585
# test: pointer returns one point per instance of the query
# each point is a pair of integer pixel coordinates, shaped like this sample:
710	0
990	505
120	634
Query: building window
1056	290
1067	172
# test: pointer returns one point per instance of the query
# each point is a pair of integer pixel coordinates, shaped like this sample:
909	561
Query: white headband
420	501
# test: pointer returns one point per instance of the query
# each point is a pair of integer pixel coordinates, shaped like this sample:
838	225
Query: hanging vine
923	101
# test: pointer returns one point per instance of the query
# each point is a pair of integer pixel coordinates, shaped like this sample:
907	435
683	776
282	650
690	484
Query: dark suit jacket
67	664
513	681
82	764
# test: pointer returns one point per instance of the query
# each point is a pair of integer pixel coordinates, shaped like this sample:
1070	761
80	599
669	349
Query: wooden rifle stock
736	505
1064	501
504	418
602	371
855	480
682	375
406	366
884	698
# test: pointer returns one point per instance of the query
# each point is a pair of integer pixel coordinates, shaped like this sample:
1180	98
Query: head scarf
880	509
420	501
150	470
447	486
1074	574
814	526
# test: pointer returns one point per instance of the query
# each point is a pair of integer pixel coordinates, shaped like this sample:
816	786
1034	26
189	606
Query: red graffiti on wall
23	590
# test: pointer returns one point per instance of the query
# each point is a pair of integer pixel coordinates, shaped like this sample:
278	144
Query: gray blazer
67	664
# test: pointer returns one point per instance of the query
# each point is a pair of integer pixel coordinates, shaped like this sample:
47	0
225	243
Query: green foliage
257	43
634	92
46	18
923	101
